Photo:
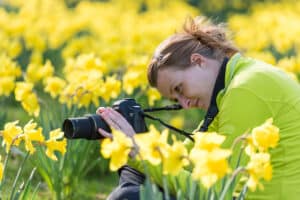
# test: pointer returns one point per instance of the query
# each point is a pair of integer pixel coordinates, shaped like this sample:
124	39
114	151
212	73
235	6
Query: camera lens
87	127
84	127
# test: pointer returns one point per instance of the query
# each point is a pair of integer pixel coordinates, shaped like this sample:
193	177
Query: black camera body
86	127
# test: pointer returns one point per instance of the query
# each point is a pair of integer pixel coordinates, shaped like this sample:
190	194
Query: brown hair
199	35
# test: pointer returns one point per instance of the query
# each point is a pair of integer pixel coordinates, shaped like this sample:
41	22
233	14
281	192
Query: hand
114	120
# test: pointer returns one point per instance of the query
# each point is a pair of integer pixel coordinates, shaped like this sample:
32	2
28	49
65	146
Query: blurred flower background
64	58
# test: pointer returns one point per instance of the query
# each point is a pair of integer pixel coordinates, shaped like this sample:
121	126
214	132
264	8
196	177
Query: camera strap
170	107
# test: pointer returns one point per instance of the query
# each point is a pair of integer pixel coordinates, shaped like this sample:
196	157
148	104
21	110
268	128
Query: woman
201	68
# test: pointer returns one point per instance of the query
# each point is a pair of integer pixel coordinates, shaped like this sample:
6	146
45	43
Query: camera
86	127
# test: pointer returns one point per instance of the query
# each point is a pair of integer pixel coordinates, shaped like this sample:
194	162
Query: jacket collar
213	109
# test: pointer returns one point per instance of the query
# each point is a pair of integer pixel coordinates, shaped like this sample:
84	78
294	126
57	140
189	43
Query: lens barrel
84	127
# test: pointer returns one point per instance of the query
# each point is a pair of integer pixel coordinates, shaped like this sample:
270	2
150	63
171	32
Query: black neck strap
182	132
213	108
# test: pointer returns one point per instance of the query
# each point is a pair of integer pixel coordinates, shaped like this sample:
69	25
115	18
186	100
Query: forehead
166	79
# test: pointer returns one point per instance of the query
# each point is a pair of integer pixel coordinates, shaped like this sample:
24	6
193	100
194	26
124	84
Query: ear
197	59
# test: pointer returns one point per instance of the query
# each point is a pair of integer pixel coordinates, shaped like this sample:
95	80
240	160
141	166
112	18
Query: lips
196	103
193	103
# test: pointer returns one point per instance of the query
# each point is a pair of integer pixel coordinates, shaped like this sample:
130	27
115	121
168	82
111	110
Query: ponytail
199	35
210	35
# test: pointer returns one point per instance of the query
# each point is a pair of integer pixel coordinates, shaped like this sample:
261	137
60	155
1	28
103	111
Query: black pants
129	185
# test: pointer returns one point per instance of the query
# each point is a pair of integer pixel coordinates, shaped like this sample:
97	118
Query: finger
117	121
107	118
122	123
115	113
117	117
104	133
100	110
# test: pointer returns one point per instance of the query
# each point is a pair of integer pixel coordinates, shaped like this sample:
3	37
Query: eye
175	100
178	89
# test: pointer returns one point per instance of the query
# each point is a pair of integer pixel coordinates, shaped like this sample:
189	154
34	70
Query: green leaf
149	191
28	185
35	191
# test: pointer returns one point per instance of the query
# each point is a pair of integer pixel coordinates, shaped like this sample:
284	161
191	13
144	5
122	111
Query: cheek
191	91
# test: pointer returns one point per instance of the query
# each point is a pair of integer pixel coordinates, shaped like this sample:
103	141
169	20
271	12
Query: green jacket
255	91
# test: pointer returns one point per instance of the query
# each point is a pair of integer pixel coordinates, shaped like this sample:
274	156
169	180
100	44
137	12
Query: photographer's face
192	86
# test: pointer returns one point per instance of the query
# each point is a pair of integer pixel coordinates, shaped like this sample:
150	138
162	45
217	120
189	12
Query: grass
98	188
96	185
92	187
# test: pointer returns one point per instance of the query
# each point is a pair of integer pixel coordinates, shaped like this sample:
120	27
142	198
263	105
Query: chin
201	106
204	107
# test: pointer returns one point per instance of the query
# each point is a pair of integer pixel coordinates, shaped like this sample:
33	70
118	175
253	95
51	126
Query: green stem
243	192
18	176
230	181
27	184
35	191
208	194
238	139
239	158
6	161
166	191
4	171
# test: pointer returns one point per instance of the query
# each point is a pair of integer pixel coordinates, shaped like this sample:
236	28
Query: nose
183	101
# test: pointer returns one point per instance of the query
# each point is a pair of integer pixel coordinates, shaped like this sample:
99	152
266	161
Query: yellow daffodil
9	67
89	90
175	158
116	149
36	72
250	148
153	95
54	86
208	140
131	81
7	85
265	136
265	56
111	88
23	89
177	121
56	134
29	100
288	64
15	48
210	166
31	105
1	170
152	145
84	64
32	133
209	159
259	167
11	134
36	60
46	70
32	73
53	144
34	40
67	95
